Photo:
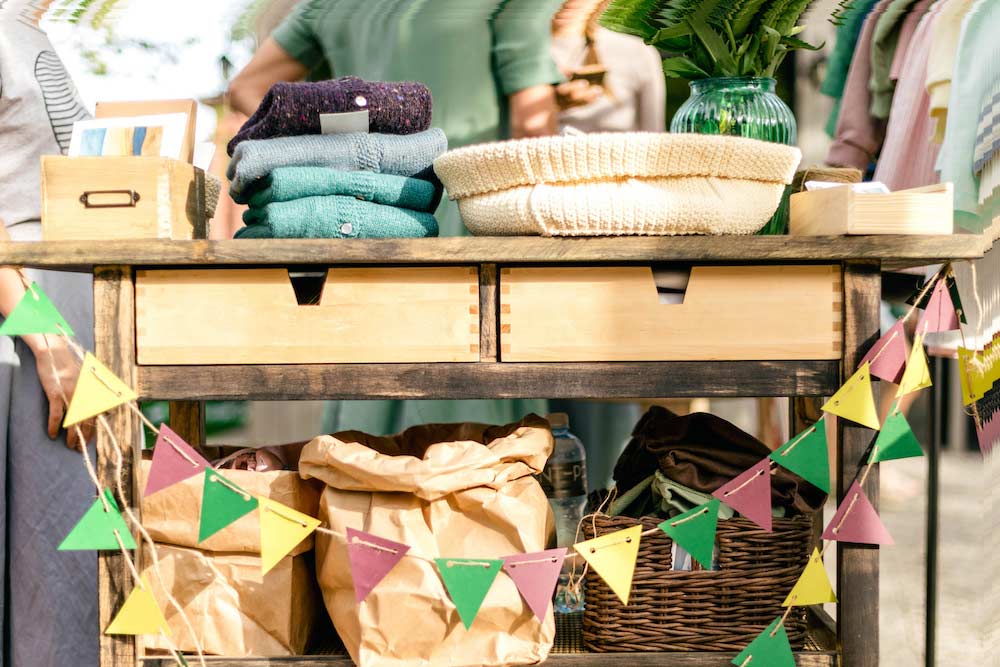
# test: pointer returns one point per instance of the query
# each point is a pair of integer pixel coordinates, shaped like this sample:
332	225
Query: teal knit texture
402	155
335	217
290	183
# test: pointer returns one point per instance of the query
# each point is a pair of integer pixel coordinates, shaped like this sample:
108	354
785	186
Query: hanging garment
941	60
839	61
908	156
885	41
859	136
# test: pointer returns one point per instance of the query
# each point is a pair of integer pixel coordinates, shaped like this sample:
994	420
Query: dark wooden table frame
855	638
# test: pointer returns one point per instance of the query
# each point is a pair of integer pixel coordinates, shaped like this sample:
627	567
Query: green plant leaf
744	17
790	15
631	17
670	35
684	68
794	43
715	45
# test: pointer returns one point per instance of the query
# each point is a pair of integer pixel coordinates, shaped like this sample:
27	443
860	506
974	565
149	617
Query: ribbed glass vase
742	107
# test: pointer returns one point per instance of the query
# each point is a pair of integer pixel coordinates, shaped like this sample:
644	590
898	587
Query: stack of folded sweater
300	183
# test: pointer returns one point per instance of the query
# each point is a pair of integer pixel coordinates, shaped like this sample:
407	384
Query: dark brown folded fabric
704	452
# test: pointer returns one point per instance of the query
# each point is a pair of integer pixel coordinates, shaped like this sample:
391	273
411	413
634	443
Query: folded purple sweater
289	109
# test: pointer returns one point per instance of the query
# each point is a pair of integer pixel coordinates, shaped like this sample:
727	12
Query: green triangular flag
35	314
95	531
895	440
222	503
768	650
468	580
806	455
695	531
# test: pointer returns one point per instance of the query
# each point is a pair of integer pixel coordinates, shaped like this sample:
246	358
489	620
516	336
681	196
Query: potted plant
729	50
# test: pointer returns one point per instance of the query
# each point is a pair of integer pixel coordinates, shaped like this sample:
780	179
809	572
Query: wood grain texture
114	343
802	659
187	419
900	250
252	316
613	313
857	565
924	210
489	312
681	379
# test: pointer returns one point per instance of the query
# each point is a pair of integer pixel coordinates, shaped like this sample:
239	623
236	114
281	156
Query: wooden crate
252	316
841	210
614	314
103	198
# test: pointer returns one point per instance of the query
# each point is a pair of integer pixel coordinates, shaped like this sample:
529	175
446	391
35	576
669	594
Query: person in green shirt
490	70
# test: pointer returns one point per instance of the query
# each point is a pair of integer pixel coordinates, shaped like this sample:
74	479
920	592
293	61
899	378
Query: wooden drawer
252	316
615	314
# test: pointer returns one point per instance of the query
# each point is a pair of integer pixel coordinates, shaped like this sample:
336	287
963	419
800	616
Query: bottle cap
558	420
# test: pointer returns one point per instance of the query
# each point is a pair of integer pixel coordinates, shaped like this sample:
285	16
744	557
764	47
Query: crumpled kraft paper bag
172	515
462	491
233	610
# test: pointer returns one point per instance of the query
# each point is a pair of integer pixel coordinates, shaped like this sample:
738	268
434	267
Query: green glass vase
742	107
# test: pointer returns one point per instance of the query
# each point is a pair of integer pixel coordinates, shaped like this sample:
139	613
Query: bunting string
742	486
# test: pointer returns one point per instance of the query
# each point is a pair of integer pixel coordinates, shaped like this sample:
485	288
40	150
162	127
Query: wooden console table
853	642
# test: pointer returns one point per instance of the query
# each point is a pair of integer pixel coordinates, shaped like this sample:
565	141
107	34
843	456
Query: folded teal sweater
288	183
335	217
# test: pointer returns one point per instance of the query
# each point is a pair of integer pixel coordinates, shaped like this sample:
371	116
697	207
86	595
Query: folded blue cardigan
333	218
402	155
288	183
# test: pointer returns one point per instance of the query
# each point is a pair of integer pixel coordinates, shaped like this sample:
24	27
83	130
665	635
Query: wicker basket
720	610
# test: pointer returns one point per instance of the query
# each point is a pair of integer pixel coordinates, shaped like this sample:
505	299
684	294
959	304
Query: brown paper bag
233	610
172	515
453	490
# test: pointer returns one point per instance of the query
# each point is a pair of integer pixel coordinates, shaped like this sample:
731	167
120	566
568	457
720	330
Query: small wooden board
841	210
614	314
251	316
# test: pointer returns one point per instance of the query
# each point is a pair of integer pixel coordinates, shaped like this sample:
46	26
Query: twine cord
921	294
747	661
674	524
843	517
292	519
232	487
743	485
177	448
883	348
372	545
594	549
784	617
468	563
794	443
532	562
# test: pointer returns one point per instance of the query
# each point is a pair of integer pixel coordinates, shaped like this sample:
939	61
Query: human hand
533	112
577	93
58	372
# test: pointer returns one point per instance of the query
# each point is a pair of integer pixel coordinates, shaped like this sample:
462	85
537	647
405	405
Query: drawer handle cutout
308	285
129	201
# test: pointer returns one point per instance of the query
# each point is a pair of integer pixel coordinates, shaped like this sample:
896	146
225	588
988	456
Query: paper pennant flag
173	461
468	580
854	400
95	531
939	313
98	390
35	314
695	531
979	371
222	503
857	521
988	433
371	558
770	649
536	576
613	557
813	586
750	494
806	455
916	376
139	615
281	530
895	440
948	278
887	358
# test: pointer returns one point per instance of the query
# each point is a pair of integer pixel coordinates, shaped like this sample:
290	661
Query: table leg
114	342
187	419
857	565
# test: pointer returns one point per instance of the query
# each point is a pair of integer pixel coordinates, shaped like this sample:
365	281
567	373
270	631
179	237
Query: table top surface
894	250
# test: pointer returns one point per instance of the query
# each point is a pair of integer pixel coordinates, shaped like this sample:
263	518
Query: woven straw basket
722	610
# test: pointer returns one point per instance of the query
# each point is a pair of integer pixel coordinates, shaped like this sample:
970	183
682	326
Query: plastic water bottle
565	482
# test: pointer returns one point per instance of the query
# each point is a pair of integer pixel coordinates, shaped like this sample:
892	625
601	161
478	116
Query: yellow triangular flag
98	390
916	376
854	399
613	557
281	530
140	615
813	587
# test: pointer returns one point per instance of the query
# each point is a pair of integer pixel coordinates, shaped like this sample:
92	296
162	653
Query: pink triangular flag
371	559
887	357
173	461
750	494
535	576
857	521
939	313
988	433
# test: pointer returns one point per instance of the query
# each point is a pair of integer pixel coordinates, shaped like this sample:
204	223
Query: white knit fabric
661	206
474	170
